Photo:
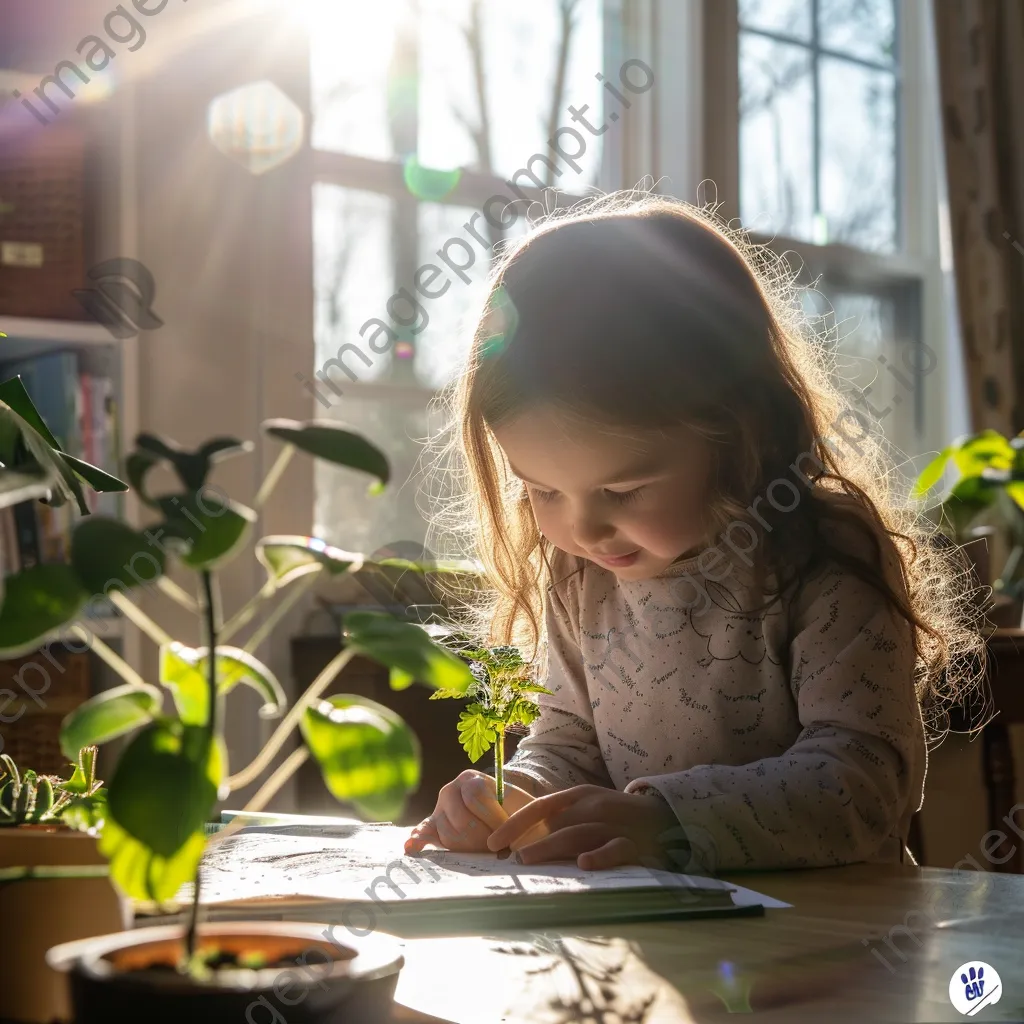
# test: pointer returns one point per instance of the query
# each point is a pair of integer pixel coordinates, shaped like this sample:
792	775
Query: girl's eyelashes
623	497
626	496
542	495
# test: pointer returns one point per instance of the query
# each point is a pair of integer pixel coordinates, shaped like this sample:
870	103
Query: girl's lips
621	560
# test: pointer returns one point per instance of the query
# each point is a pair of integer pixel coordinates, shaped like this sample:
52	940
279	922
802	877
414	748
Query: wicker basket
56	689
34	742
42	222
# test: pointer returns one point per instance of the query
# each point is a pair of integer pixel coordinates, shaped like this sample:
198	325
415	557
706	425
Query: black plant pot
128	976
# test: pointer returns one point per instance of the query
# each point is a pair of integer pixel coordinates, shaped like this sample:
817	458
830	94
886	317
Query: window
821	132
819	120
422	111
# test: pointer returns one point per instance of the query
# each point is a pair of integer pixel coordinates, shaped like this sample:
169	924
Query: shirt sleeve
855	773
561	749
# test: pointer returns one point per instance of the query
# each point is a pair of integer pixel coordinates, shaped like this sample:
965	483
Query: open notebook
356	874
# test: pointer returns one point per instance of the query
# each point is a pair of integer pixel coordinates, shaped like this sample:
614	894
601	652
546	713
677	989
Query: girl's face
631	506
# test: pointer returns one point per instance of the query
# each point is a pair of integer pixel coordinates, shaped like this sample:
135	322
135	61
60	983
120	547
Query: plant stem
245	614
177	594
499	764
211	616
270	480
139	617
111	657
286	605
276	741
284	772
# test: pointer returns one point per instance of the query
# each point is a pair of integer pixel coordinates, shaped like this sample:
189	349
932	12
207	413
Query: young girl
742	620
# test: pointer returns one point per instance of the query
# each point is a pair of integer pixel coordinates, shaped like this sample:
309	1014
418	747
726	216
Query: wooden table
861	943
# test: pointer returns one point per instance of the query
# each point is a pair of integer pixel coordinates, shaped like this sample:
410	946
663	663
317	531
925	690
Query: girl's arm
849	784
560	749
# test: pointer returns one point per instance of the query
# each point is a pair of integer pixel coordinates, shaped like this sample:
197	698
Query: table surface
860	943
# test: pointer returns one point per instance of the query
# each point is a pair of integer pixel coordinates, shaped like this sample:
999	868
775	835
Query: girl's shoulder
855	557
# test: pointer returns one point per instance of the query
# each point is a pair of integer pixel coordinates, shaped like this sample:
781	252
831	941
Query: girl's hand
601	828
467	812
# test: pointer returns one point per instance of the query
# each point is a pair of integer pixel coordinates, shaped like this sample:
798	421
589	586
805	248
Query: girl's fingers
526	817
482	802
566	843
423	833
615	853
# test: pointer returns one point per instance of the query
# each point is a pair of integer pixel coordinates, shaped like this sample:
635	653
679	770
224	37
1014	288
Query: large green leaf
108	715
931	474
36	602
286	558
104	551
406	650
14	394
213	535
165	785
183	670
19	416
988	448
43	456
192	467
330	441
367	754
142	874
96	478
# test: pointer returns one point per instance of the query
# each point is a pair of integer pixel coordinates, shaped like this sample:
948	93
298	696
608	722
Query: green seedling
500	700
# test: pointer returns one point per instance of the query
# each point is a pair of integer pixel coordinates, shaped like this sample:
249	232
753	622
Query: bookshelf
111	129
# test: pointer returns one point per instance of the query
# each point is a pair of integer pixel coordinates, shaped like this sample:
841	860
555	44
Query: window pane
497	119
346	515
351	50
443	344
353	280
861	329
858	168
787	17
776	137
863	28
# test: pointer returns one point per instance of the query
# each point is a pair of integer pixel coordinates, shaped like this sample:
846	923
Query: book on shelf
80	408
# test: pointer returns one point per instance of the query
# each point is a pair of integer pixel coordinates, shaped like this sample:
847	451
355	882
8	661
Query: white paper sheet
362	862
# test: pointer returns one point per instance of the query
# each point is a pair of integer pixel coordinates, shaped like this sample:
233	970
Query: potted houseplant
990	487
52	880
173	770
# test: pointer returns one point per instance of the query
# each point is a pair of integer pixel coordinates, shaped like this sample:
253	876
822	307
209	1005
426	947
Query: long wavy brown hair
637	313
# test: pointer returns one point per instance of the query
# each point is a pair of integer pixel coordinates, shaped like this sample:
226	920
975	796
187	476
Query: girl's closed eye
626	496
542	495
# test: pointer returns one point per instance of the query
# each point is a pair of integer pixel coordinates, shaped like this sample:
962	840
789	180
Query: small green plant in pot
990	485
173	770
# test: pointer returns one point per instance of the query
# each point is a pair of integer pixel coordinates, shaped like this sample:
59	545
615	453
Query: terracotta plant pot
130	976
35	914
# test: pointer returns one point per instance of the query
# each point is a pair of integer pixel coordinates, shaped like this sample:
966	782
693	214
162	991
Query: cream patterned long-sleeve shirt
784	738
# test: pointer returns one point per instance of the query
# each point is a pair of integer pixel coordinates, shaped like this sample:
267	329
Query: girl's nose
589	531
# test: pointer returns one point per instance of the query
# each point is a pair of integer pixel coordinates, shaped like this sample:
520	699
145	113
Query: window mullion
818	217
403	111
